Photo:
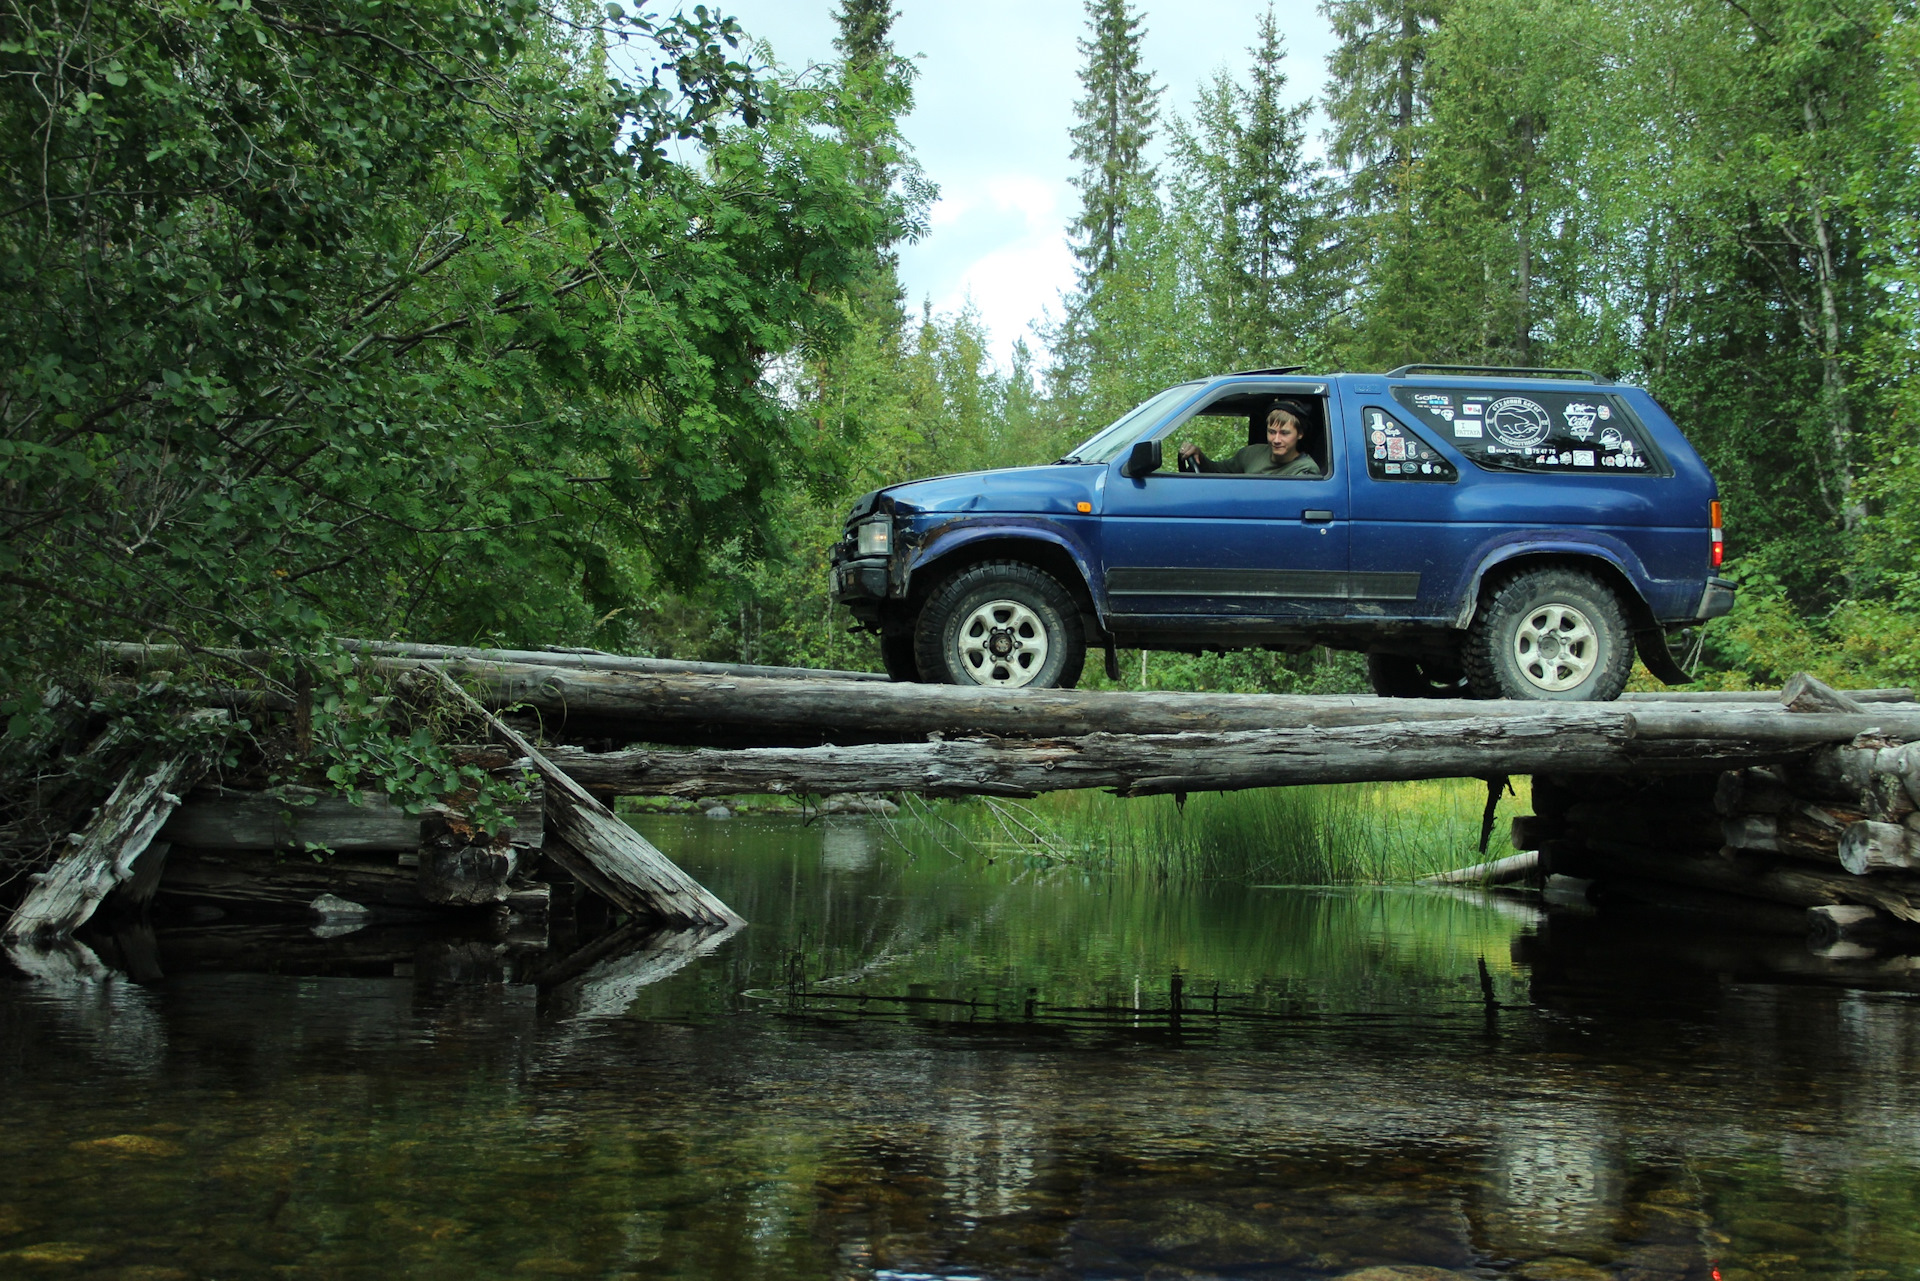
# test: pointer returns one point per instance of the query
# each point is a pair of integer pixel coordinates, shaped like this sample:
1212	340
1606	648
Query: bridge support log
603	853
1140	765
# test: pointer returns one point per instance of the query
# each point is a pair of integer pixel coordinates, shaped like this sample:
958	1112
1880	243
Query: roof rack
1284	369
1509	370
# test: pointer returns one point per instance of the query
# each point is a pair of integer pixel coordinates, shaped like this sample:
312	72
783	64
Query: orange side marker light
1083	507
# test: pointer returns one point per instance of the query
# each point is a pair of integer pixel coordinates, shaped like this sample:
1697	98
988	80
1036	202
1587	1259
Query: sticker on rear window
1401	453
1546	430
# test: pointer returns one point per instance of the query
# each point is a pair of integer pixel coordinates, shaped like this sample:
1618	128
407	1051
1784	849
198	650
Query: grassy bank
1373	833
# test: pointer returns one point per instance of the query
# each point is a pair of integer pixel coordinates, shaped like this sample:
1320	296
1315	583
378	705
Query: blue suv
1501	533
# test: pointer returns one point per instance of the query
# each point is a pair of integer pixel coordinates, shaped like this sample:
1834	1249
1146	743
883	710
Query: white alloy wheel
1555	647
1002	643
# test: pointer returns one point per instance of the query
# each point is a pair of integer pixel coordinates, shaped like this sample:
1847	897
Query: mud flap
1652	647
1113	663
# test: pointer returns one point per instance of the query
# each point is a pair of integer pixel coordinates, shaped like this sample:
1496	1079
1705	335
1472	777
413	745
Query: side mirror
1143	458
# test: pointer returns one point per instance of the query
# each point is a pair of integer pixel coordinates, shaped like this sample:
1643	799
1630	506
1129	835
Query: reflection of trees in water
1381	1119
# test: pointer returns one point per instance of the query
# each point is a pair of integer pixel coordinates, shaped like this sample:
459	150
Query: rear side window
1576	431
1396	451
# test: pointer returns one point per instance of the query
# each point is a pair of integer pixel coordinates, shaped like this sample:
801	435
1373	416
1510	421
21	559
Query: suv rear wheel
1004	625
1555	634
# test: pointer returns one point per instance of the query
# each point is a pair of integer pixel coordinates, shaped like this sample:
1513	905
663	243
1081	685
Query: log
1877	847
1848	922
597	660
284	886
1885	777
103	854
668	708
1805	831
460	871
134	655
1740	911
1892	694
1804	693
1531	831
1141	765
1499	871
293	818
1797	885
1647	822
1748	792
603	853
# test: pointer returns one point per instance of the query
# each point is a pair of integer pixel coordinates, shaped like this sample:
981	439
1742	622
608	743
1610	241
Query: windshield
1106	446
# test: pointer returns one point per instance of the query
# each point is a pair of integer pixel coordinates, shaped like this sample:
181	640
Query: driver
1280	458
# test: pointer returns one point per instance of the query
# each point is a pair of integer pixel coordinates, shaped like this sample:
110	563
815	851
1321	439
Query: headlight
875	538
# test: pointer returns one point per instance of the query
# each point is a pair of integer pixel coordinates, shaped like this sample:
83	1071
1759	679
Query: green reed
1367	833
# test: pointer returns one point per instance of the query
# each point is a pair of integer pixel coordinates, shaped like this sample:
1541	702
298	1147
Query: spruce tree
1117	113
1378	91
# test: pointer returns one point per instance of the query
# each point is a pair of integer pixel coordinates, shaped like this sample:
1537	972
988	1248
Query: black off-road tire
1402	676
896	657
1041	605
1507	651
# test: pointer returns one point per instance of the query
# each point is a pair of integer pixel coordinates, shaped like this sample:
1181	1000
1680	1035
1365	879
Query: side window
1396	451
1232	429
1572	431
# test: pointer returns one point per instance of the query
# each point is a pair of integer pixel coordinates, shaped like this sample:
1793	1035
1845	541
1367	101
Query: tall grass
1369	833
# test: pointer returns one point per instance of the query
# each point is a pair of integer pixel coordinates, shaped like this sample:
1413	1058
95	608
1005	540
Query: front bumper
1716	601
864	579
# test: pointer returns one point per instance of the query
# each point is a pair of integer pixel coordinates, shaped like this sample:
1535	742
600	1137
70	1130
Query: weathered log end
1871	846
462	868
1805	693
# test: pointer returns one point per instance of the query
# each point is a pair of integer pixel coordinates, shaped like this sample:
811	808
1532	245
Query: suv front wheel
1556	634
1003	625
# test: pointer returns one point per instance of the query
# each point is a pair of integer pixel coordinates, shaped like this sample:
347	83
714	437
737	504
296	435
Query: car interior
1231	423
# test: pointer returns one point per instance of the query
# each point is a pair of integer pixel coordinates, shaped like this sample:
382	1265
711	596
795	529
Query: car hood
1053	489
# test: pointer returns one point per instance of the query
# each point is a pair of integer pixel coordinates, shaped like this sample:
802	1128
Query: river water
924	1066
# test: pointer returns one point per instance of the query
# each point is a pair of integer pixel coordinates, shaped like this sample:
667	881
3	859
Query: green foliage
383	308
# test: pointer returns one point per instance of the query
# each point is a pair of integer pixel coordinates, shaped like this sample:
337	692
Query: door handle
1314	516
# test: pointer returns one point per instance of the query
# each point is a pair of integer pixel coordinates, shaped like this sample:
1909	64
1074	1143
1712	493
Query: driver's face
1283	436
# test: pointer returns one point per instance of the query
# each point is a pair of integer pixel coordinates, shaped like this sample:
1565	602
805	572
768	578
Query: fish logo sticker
1517	421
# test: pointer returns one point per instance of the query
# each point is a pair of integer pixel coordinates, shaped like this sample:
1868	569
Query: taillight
1719	546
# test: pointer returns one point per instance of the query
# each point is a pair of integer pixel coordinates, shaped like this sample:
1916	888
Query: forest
539	322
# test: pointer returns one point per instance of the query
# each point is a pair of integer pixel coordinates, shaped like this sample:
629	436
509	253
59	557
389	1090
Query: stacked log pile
1826	841
348	859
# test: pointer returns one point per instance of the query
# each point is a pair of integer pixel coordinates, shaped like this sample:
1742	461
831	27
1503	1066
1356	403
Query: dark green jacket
1257	460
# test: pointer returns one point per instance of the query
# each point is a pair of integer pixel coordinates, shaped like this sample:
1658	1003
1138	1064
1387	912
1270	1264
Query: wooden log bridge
945	740
1626	789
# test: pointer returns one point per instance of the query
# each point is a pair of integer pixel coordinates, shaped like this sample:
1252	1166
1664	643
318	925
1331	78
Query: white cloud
998	79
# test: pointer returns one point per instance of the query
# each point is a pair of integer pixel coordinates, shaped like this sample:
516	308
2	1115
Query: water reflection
939	1069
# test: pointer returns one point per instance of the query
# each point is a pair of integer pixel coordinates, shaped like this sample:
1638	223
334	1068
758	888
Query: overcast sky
994	101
